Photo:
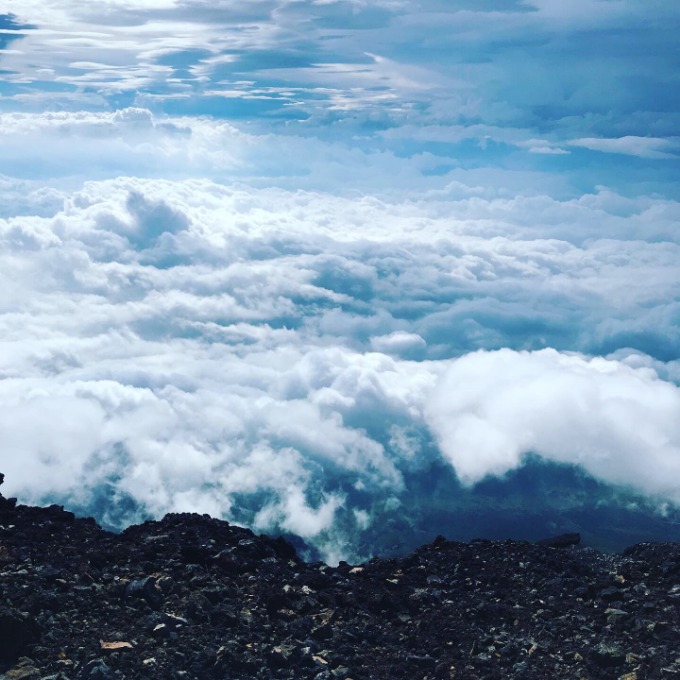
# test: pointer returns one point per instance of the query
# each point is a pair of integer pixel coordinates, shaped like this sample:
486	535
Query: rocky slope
193	597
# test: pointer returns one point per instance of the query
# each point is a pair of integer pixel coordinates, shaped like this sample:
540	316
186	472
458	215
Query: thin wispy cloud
643	147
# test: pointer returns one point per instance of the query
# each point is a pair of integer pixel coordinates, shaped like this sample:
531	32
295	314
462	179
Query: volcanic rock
194	597
18	630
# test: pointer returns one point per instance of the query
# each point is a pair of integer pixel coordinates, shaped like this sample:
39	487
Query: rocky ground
193	597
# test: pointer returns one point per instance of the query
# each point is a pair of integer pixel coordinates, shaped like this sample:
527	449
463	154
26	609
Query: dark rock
57	514
24	670
611	595
195	554
17	632
97	669
283	549
198	608
7	503
147	589
608	655
193	597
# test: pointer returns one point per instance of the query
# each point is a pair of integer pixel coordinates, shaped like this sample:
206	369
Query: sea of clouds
335	268
289	358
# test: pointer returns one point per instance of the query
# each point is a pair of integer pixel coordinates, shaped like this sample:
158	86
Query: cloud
28	197
323	64
180	345
250	253
397	342
618	423
643	147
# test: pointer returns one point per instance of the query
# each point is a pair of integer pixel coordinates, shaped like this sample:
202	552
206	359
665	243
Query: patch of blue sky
11	28
653	342
182	60
238	106
305	55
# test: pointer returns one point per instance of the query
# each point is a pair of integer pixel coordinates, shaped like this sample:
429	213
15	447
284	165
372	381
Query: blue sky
588	93
274	254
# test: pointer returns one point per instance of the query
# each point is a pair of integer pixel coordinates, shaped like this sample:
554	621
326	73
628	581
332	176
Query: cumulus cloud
85	145
250	253
397	342
177	345
618	423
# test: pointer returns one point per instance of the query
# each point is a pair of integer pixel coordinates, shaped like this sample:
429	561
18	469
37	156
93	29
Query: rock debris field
194	597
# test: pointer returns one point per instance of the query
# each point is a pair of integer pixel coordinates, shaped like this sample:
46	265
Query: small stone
280	656
174	621
165	584
606	655
614	615
161	630
97	669
115	646
611	595
147	589
24	670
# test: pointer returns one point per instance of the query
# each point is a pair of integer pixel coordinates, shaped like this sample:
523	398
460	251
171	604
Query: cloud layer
179	345
459	85
339	268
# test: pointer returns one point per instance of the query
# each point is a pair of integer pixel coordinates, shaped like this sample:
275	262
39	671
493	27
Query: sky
294	262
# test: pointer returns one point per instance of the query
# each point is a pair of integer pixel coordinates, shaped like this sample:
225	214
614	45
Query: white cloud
397	342
274	320
273	356
618	423
367	65
643	147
